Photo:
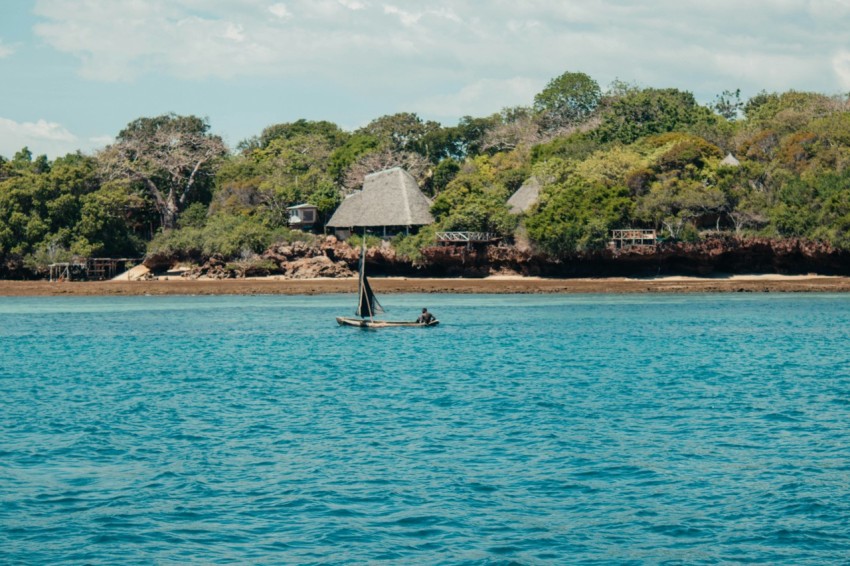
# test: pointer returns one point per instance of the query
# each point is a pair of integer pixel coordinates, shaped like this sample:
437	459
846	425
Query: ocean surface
695	429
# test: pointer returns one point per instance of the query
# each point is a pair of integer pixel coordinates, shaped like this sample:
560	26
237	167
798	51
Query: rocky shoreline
721	254
716	264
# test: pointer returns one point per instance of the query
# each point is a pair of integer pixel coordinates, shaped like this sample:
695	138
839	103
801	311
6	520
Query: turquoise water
524	429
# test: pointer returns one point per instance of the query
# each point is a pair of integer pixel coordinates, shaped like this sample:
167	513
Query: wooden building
89	268
390	203
303	216
633	238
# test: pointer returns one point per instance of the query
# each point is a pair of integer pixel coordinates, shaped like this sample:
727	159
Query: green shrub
227	235
356	241
410	247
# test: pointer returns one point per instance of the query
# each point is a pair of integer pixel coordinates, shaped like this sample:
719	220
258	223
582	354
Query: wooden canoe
366	323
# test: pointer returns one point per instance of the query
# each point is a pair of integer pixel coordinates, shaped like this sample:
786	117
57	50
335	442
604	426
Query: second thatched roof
730	161
525	196
388	198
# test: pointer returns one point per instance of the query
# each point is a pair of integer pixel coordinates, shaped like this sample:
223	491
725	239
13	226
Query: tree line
625	156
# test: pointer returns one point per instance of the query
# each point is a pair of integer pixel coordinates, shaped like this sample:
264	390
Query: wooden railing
633	234
633	237
92	268
465	237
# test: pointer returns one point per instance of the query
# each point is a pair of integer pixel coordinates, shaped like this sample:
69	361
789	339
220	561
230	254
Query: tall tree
728	104
649	111
401	139
567	100
513	128
170	156
327	130
399	132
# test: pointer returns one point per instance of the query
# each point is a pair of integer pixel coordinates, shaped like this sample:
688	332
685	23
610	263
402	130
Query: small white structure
303	216
730	161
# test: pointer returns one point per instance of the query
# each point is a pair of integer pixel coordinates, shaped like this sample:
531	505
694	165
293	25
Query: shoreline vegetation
730	187
489	285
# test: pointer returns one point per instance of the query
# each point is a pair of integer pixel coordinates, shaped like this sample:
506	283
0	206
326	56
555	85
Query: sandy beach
525	285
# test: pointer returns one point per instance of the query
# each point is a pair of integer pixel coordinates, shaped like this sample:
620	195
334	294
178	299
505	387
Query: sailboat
368	305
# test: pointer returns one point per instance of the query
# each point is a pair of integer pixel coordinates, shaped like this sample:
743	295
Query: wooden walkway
633	238
466	237
89	269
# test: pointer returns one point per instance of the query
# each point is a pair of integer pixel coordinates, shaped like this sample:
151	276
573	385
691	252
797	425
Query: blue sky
75	72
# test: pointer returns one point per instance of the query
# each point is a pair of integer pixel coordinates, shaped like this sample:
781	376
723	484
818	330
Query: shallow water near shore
526	429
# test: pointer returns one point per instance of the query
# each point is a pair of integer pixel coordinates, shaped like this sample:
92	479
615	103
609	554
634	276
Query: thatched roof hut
525	197
389	199
730	161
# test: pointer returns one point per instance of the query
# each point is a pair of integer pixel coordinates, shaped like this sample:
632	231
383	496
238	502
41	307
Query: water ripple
253	430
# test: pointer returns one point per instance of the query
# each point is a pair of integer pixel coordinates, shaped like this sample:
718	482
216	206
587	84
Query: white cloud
480	98
44	137
841	65
412	18
41	137
5	50
281	11
353	4
99	142
234	32
413	48
406	18
830	9
772	68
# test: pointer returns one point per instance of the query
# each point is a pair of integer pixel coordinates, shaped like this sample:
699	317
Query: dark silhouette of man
425	317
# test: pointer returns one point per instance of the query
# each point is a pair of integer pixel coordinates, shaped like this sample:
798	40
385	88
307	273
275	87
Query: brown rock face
296	260
158	262
728	254
283	253
214	268
717	254
481	261
317	266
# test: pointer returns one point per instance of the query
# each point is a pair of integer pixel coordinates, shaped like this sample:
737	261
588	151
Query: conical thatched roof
525	196
388	198
730	161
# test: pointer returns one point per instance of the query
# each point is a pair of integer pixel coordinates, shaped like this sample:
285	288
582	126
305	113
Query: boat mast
363	295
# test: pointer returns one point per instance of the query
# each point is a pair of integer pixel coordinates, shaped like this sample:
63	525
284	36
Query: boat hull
366	323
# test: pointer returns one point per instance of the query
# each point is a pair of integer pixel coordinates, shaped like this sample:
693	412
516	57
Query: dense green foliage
170	158
625	157
51	211
567	100
576	211
227	235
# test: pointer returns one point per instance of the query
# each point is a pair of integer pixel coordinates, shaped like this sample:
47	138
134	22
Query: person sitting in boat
425	317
